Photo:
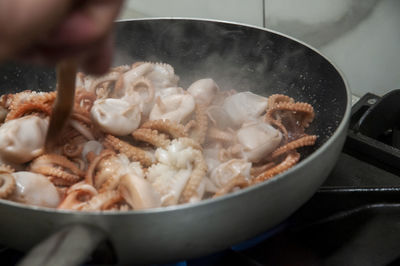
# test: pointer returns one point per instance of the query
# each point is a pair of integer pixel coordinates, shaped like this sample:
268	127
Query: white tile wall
243	11
361	37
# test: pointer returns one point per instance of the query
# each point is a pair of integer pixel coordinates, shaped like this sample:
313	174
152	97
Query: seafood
57	167
136	140
7	181
16	146
34	189
176	107
179	172
244	106
77	195
137	190
227	171
203	91
160	75
141	93
116	116
258	139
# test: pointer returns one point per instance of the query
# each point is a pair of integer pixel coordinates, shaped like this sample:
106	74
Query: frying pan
237	57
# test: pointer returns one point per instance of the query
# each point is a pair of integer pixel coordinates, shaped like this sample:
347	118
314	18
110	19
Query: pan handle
70	246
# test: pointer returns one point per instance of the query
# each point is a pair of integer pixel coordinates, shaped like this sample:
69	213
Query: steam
237	57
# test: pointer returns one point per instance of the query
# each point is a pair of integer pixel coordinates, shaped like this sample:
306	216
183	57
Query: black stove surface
353	219
345	223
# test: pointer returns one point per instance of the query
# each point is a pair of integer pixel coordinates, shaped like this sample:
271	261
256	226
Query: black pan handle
70	246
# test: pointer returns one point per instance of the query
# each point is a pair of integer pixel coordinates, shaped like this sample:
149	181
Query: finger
96	61
87	24
99	61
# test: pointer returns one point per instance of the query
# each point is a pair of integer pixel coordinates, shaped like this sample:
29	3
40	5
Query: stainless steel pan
235	56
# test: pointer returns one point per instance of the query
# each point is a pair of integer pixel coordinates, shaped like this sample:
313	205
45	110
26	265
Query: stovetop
353	219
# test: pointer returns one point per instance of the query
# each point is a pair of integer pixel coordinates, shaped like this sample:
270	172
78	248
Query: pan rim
336	134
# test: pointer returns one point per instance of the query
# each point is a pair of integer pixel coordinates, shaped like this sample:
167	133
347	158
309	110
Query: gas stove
353	219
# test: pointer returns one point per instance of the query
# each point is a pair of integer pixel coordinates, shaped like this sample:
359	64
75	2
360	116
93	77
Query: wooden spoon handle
64	103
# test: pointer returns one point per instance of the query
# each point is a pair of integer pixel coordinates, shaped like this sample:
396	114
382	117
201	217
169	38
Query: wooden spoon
64	103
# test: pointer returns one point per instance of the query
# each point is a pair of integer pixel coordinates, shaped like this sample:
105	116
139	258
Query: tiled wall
362	37
244	11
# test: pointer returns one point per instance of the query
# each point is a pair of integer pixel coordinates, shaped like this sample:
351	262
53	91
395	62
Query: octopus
34	189
59	168
137	140
16	146
30	102
7	182
179	172
116	116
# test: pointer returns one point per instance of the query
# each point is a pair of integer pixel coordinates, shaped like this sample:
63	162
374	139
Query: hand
46	31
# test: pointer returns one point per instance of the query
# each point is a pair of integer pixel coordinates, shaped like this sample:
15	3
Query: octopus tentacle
136	64
81	120
229	153
6	169
5	100
291	159
81	115
60	182
18	98
102	201
151	136
199	171
7	185
108	78
110	184
58	160
68	134
237	181
132	152
144	83
306	109
188	142
109	181
85	99
72	149
93	164
102	93
121	68
189	125
82	128
80	163
219	135
77	195
278	124
26	108
278	98
301	142
28	102
299	115
56	172
257	170
166	126
47	97
199	131
62	191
